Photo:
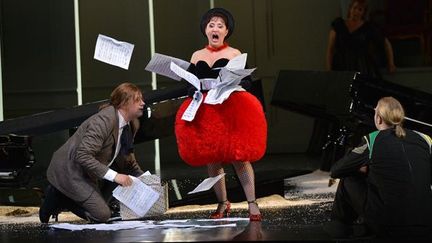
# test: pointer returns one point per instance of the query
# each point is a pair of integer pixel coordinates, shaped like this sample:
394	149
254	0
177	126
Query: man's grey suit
77	166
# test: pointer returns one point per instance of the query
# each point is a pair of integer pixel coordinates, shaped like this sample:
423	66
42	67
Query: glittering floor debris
298	222
299	215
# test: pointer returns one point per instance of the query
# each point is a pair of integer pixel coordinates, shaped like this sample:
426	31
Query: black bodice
202	70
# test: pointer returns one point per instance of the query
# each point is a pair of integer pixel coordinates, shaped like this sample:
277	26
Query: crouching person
99	156
385	182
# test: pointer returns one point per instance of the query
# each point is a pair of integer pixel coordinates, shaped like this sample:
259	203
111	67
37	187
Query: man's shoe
338	230
114	218
114	205
50	206
115	211
360	230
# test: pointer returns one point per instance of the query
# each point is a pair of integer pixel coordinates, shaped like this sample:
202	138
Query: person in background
99	152
233	132
355	44
385	182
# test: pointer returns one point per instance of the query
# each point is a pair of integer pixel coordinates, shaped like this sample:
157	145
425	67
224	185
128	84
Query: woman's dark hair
218	12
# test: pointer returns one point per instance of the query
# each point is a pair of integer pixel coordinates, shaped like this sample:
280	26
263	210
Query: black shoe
50	206
114	206
115	211
360	230
338	230
92	220
114	218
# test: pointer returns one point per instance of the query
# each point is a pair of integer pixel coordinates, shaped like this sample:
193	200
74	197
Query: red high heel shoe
218	214
254	217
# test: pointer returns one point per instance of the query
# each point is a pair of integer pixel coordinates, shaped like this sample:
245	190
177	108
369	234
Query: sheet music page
234	71
219	95
160	64
192	109
238	62
114	52
233	77
207	184
223	219
188	76
145	173
230	80
138	197
121	225
127	225
230	77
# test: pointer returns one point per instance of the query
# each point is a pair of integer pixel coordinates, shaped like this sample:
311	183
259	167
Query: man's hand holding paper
123	180
138	197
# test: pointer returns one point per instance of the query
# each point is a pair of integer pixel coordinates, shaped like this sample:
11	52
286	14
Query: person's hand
123	180
391	68
191	91
363	169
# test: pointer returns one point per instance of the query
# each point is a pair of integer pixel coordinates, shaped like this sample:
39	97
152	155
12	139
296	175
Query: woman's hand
363	169
123	180
391	68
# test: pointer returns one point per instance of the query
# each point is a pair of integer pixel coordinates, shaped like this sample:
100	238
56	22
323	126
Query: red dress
234	131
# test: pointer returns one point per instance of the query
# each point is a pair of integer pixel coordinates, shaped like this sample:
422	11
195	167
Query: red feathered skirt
234	131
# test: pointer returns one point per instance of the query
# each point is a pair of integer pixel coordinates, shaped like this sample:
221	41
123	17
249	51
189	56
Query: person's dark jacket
399	197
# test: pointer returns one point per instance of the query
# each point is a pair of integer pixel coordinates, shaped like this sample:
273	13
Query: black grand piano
343	104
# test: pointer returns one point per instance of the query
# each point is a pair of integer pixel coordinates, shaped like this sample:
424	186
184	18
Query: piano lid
417	104
345	95
314	93
57	120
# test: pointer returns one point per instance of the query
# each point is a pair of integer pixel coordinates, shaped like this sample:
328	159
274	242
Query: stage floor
296	213
292	223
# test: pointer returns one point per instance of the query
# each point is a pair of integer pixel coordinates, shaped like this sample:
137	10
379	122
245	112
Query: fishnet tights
246	176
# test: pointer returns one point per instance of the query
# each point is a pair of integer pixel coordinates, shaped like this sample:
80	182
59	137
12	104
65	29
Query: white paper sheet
219	95
124	225
114	52
238	62
104	227
188	76
191	110
230	77
160	64
207	184
234	71
146	173
233	77
223	219
215	226
173	221
226	83
138	197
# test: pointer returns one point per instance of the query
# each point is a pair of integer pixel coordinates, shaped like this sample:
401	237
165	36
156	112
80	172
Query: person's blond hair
392	113
123	94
